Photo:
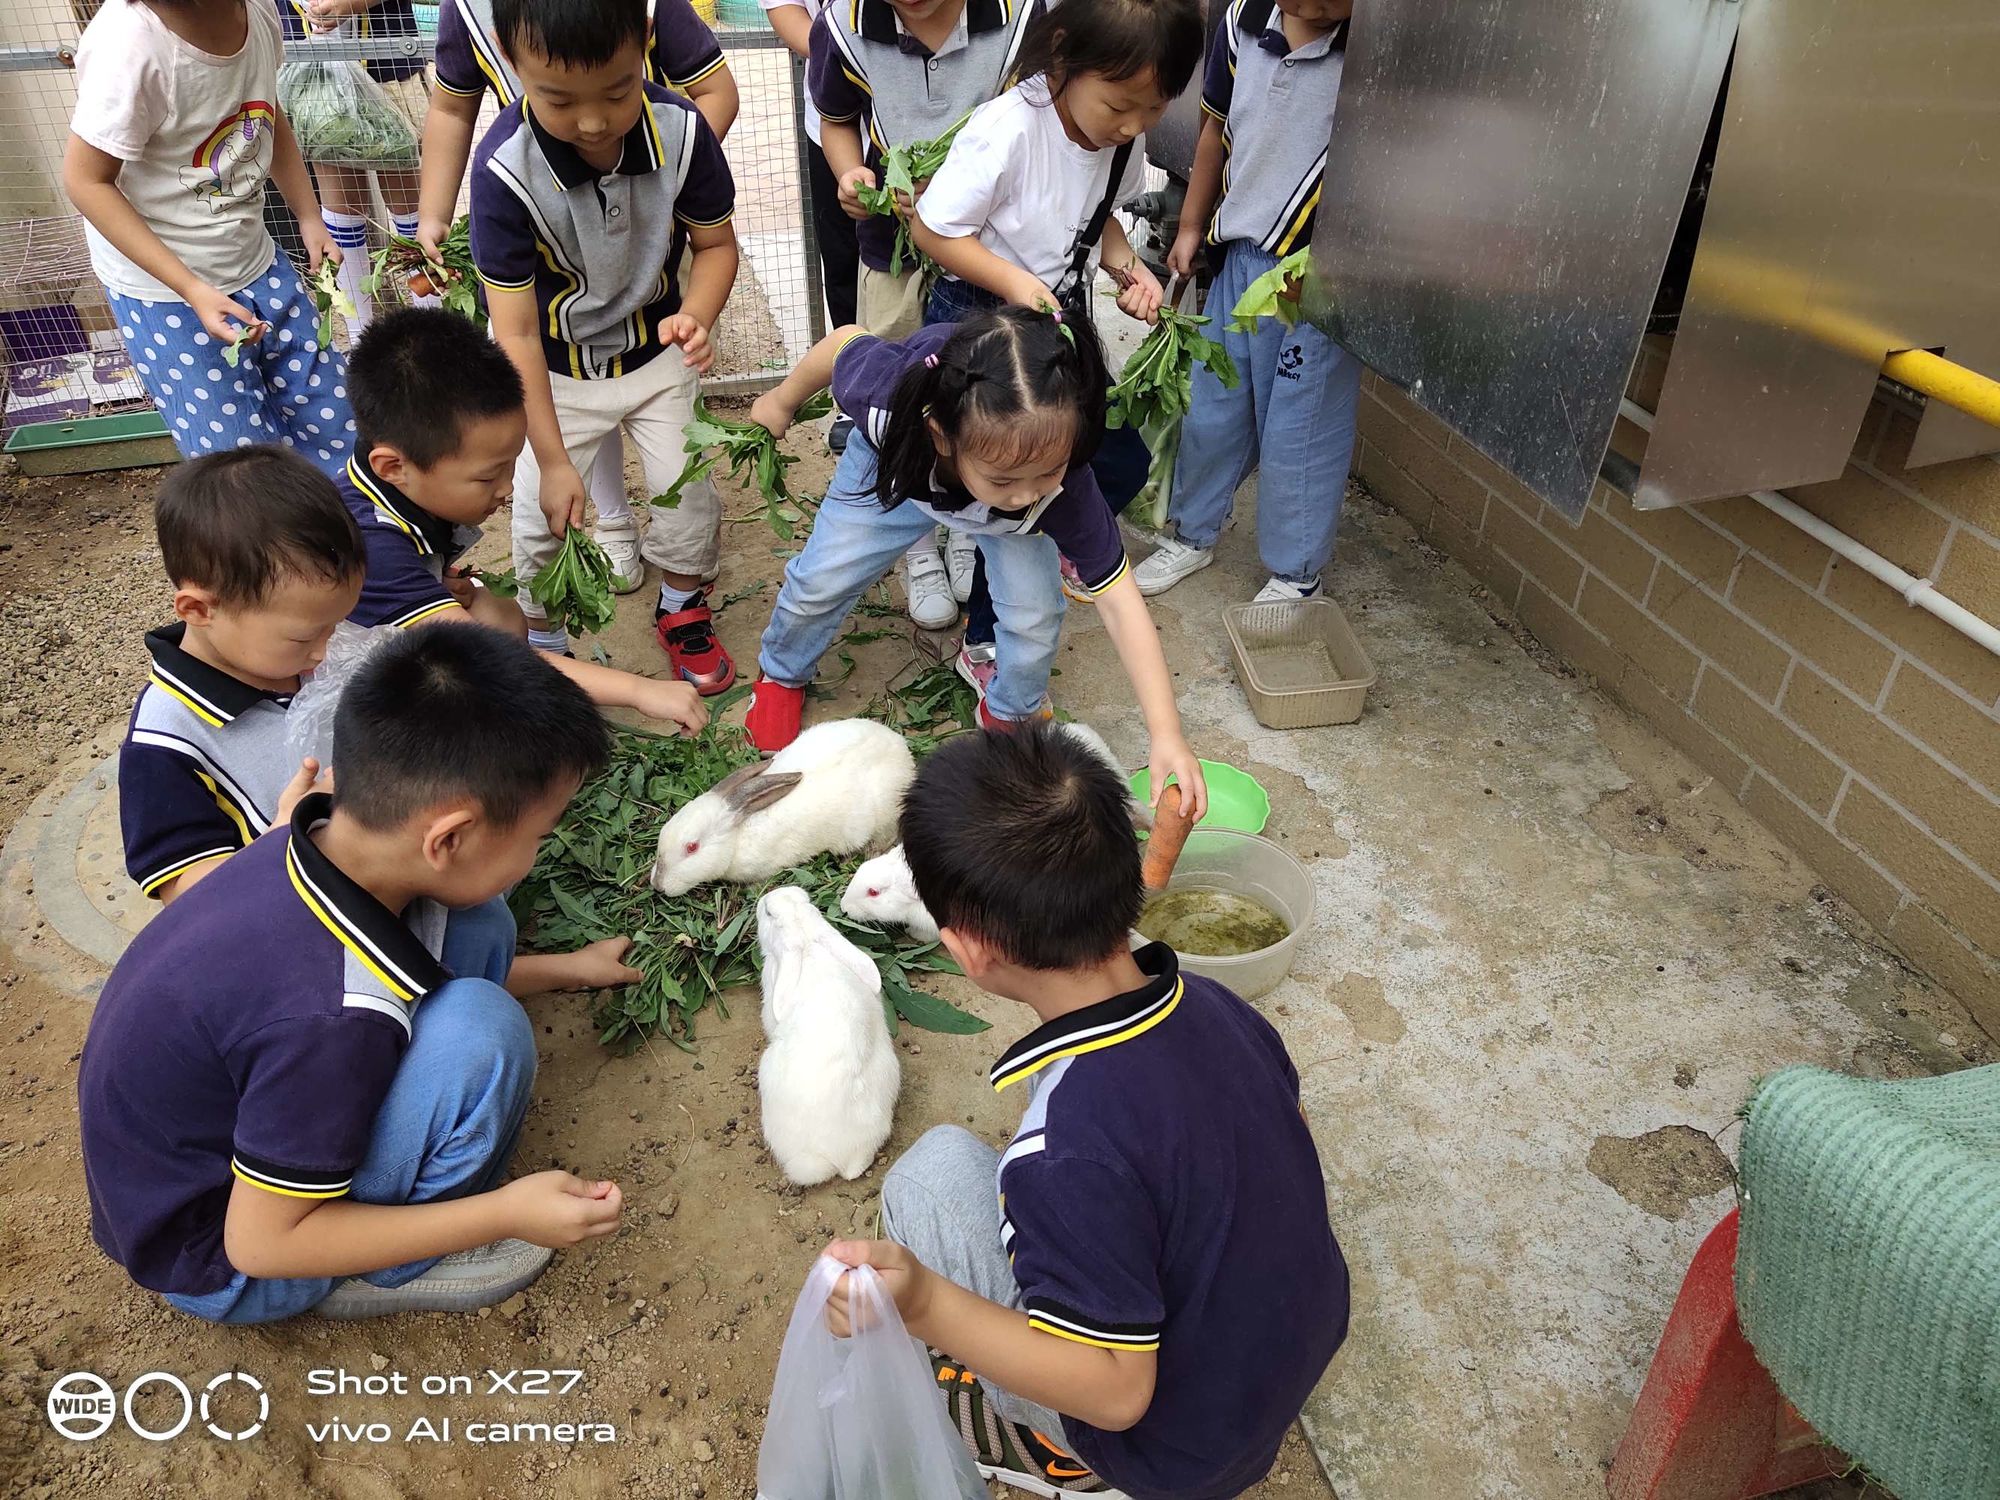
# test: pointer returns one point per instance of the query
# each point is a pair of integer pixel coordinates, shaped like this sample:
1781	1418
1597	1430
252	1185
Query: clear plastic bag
309	721
340	114
858	1418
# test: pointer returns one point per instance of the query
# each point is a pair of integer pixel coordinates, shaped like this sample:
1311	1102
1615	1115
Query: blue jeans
1119	465
285	388
447	1126
855	541
1292	417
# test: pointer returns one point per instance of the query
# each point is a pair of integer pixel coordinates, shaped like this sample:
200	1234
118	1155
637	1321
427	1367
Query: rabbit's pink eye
873	893
690	848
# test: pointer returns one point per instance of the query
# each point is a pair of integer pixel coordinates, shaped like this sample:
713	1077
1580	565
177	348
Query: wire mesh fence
60	355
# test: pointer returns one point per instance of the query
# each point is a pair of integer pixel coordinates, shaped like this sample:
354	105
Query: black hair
1115	39
1009	384
569	33
460	711
1025	841
419	374
237	522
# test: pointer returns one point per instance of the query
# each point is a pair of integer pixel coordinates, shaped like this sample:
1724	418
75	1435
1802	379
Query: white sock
350	233
606	480
406	226
673	600
555	642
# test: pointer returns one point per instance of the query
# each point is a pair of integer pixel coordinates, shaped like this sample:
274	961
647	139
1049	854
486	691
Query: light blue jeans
855	541
1291	415
446	1128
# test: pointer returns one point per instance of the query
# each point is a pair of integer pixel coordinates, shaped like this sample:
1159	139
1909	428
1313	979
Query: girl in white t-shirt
1022	206
176	130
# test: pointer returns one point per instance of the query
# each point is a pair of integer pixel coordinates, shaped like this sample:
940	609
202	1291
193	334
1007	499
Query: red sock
775	711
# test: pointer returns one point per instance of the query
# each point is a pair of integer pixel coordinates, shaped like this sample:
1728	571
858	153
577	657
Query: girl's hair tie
1056	313
930	361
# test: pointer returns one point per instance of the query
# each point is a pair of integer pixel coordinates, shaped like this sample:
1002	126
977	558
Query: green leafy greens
575	591
329	299
1274	294
904	169
1152	395
751	454
451	278
589	882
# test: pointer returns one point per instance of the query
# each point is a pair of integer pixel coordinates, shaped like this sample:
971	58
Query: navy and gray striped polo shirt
680	52
1275	105
1163	1193
202	766
249	1034
598	249
407	547
867	70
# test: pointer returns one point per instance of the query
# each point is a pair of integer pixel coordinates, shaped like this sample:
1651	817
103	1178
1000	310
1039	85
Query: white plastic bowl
1221	859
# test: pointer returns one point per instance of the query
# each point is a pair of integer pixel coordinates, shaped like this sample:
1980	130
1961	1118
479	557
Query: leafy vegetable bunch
903	168
574	591
1153	392
451	278
1274	294
590	882
751	454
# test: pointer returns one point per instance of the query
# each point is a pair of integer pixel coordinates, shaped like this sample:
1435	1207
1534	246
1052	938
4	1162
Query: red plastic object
1711	1423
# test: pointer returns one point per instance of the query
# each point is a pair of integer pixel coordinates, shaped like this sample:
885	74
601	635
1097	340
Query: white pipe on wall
1917	592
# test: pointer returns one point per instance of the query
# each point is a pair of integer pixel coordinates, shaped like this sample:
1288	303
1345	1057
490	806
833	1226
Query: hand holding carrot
1173	820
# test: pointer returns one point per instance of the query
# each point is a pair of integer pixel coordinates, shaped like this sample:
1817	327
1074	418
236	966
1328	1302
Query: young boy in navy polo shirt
298	1090
440	420
265	561
584	194
1145	1277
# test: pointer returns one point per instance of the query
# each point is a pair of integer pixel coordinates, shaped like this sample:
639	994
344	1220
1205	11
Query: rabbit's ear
756	793
733	785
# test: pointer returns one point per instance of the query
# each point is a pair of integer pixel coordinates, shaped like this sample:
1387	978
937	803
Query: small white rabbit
837	788
884	892
829	1077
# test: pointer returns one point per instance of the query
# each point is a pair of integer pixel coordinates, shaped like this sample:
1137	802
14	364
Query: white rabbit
837	788
884	892
829	1077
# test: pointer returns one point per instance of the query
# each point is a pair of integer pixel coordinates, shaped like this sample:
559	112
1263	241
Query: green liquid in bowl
1214	924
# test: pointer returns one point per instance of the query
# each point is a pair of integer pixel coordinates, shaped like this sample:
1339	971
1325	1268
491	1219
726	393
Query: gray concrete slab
1551	957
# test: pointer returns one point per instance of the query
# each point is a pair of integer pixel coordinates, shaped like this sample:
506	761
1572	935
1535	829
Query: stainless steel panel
1854	211
1501	191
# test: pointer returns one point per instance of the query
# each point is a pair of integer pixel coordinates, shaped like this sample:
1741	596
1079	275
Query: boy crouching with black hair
440	420
299	1089
1153	1286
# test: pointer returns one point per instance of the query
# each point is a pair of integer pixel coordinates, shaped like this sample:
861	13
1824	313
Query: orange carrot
421	285
1173	820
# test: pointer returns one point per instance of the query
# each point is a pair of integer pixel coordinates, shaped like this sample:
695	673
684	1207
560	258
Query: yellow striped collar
209	693
643	149
379	939
430	534
1095	1027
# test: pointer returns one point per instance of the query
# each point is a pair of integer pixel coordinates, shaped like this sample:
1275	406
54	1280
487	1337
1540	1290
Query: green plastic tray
1235	800
129	440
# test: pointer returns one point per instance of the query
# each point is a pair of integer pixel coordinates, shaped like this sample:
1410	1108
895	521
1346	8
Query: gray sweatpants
941	1202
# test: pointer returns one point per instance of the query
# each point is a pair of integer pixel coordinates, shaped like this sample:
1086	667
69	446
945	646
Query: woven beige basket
1298	662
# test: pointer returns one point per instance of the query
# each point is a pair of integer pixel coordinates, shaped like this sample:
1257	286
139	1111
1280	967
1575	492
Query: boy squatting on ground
287	1100
265	561
1150	1257
1267	103
584	193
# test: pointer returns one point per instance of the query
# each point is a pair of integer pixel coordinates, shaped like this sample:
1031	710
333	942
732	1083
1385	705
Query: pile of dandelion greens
1153	393
751	455
904	170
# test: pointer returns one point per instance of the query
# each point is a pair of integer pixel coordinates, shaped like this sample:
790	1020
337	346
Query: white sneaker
620	541
961	556
464	1282
1174	561
1281	590
927	588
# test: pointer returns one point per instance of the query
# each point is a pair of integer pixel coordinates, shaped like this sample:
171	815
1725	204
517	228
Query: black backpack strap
1079	255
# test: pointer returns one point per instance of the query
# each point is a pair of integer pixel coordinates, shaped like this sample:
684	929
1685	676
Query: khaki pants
891	307
651	406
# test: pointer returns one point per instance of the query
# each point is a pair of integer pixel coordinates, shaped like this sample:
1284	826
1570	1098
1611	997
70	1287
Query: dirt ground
675	1324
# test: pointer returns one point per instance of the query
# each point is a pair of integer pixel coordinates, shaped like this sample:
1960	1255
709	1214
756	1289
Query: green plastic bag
340	114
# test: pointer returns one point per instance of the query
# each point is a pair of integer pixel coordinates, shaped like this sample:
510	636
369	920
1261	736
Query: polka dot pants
286	388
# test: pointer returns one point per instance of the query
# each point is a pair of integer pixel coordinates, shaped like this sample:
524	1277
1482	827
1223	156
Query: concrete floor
1550	961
